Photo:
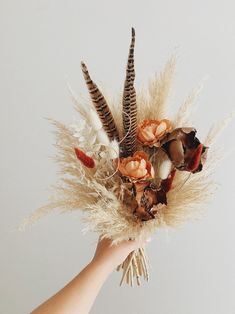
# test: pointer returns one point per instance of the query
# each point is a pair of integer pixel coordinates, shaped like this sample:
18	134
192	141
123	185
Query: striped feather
129	115
100	105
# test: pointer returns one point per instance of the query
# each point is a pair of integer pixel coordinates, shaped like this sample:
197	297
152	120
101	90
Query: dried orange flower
136	167
150	132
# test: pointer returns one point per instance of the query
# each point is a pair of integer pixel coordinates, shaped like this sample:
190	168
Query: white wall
42	44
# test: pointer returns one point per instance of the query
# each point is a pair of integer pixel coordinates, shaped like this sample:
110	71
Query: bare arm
80	293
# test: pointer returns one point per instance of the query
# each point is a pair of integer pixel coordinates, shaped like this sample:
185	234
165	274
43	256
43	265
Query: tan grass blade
217	128
159	89
184	112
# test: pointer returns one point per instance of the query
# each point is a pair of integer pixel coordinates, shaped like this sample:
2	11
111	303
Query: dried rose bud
136	167
150	132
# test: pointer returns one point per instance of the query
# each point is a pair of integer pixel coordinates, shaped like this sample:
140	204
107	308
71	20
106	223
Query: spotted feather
129	115
100	105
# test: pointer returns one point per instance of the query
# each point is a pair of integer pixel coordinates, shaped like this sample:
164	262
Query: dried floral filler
129	167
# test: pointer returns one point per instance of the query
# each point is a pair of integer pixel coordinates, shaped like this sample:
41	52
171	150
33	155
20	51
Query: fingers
135	244
129	244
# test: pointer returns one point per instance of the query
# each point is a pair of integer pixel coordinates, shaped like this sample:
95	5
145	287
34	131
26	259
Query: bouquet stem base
135	266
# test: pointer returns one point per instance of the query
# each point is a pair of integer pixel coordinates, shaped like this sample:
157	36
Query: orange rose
136	167
150	132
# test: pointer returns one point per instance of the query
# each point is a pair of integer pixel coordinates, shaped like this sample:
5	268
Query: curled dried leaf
184	149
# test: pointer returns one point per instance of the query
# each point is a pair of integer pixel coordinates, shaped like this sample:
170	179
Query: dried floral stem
145	264
134	266
125	265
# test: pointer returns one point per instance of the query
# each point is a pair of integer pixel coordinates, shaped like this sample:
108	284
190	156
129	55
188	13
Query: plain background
42	44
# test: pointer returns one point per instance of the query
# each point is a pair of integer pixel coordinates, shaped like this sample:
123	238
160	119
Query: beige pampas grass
154	99
183	115
94	190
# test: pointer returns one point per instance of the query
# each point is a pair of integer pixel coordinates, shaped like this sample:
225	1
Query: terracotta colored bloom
150	132
185	150
136	167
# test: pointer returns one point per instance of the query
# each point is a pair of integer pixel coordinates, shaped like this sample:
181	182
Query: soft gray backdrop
42	44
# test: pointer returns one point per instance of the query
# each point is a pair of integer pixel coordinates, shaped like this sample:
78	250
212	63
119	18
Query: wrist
102	265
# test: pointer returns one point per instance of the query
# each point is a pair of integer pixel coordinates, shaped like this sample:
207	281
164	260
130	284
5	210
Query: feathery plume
100	105
129	116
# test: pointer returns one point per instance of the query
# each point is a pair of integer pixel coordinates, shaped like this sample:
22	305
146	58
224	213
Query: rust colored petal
179	134
176	152
167	183
184	149
195	159
141	154
161	195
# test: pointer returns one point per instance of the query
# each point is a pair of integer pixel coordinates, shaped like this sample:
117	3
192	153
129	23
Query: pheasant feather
101	106
129	115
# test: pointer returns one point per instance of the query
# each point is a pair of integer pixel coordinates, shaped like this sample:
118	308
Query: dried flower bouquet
129	167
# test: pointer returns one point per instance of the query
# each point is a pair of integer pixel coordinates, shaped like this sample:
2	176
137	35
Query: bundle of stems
136	265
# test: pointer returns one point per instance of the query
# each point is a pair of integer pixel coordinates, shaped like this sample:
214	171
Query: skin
79	294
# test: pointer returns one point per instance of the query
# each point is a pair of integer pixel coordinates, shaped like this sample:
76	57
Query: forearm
79	294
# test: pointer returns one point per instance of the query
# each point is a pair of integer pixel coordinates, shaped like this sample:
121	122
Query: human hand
114	255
